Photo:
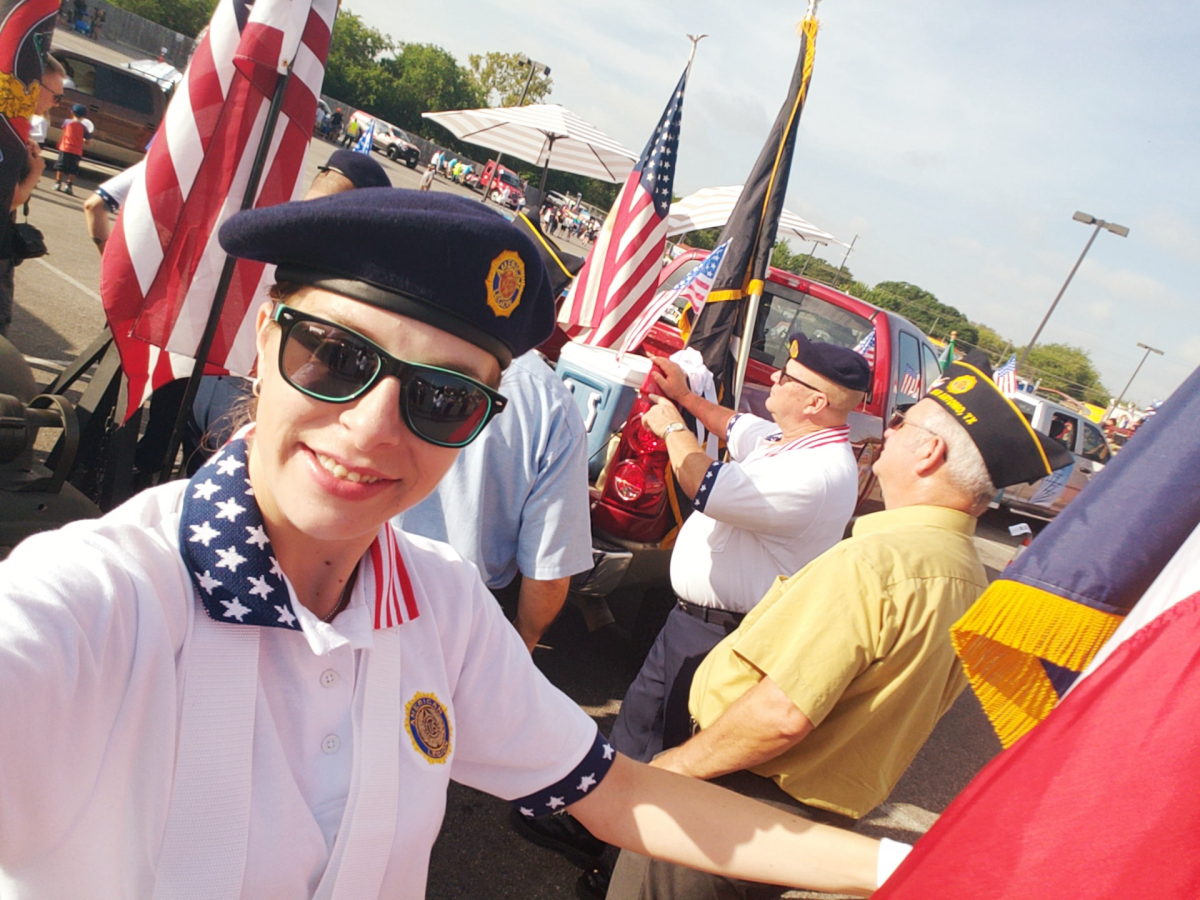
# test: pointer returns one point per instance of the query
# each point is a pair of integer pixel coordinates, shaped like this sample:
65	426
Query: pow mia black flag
750	231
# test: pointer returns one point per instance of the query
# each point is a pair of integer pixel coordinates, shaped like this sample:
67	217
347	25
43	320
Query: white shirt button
331	743
329	678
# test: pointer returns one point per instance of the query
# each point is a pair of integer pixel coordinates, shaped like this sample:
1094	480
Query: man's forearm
758	726
538	605
711	415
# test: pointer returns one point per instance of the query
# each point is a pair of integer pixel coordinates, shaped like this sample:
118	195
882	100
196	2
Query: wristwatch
672	428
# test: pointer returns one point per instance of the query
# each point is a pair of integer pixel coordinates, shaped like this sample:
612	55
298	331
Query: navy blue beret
440	258
840	365
361	169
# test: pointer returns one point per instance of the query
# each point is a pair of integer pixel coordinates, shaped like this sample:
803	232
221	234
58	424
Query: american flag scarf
162	264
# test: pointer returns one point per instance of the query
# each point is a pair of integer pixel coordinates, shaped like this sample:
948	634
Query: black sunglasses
784	378
332	363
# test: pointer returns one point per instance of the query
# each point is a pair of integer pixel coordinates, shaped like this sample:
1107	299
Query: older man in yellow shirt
829	687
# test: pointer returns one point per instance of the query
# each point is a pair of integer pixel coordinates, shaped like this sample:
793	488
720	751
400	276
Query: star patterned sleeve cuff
574	786
706	485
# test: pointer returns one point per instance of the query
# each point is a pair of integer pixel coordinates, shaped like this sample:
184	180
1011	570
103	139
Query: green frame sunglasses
335	364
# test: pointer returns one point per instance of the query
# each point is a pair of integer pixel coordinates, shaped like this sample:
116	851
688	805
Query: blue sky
955	138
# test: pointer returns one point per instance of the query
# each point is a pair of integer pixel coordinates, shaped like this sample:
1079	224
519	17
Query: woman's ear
261	321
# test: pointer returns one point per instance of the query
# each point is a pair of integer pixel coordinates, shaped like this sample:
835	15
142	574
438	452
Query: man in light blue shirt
516	500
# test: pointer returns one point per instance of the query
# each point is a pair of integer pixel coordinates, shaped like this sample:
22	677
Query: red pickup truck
633	520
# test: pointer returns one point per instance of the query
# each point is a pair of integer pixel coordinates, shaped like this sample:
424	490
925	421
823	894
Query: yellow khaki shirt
859	639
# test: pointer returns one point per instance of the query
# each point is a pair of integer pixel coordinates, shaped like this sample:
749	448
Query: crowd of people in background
567	222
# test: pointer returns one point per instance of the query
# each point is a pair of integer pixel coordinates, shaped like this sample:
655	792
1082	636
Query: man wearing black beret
824	694
346	170
783	499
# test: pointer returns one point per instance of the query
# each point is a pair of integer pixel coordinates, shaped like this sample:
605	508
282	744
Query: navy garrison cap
443	259
838	364
359	168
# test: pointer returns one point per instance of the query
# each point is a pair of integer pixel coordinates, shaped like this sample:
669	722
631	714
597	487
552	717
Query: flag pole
167	472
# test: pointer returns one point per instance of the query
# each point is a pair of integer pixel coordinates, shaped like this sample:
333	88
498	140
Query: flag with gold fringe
749	235
1027	638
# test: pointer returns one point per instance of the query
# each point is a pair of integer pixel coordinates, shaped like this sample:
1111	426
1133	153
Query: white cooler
604	391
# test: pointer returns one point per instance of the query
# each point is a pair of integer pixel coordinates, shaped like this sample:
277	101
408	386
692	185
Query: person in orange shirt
70	148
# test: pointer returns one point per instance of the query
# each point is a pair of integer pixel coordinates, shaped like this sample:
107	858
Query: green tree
995	345
353	72
425	78
923	309
601	194
500	79
185	16
1068	369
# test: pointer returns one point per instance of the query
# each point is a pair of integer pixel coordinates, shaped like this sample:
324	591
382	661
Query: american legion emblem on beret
429	727
505	282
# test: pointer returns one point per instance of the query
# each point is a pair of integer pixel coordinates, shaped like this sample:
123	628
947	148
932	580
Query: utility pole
1125	389
1086	219
533	70
852	243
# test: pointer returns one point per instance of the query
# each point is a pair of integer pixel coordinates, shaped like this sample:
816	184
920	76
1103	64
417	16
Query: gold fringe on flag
1002	640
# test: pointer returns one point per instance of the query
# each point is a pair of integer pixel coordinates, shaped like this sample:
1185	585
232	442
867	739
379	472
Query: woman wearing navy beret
251	685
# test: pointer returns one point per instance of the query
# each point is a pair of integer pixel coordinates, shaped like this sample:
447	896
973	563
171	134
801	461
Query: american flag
1006	376
620	274
866	348
693	289
160	269
910	384
365	138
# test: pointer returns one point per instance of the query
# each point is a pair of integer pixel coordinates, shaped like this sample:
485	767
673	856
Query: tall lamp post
1125	389
1086	219
535	68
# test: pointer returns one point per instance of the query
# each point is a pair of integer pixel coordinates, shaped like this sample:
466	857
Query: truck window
784	310
127	91
1095	447
908	370
1063	428
82	75
933	371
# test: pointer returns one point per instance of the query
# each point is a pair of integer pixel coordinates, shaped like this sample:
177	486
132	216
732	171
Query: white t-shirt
768	513
96	631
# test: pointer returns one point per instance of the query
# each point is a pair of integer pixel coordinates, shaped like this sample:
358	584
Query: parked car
506	185
394	144
125	104
633	518
1075	431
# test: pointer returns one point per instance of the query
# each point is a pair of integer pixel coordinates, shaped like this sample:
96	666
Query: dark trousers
654	714
638	877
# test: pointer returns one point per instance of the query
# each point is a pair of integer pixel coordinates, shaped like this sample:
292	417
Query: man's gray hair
964	464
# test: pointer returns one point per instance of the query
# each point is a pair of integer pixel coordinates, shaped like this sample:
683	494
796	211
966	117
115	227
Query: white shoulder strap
364	842
203	855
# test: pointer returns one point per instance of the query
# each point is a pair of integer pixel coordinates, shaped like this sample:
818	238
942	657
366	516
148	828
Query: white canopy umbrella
548	135
711	207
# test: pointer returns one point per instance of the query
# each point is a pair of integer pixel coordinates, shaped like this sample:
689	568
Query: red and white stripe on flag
395	602
161	267
621	272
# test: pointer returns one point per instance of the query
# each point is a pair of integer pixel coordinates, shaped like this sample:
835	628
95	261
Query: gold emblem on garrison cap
429	727
505	282
794	349
961	384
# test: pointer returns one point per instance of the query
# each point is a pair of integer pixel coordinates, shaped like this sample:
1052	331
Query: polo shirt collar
238	579
906	517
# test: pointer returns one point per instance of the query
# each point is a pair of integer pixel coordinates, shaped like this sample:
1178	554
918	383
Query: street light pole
533	70
1125	389
1087	219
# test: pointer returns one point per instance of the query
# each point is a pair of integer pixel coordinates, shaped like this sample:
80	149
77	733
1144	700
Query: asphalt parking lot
58	313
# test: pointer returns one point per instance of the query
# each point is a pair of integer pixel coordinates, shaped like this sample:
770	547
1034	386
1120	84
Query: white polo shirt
99	626
768	513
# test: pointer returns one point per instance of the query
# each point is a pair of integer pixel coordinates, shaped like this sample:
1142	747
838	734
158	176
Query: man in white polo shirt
783	500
